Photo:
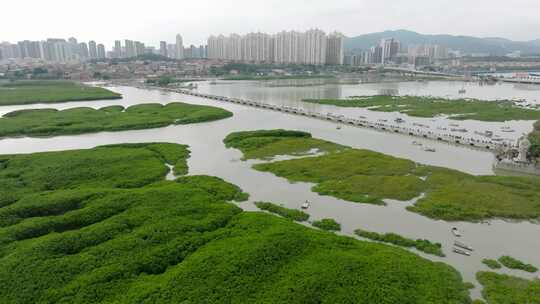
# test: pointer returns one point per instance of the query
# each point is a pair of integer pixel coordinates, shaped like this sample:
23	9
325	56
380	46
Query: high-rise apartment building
83	47
310	47
163	48
92	49
389	48
130	48
117	49
139	48
101	51
171	50
179	47
334	49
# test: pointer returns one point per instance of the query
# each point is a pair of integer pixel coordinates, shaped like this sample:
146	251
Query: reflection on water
257	90
209	156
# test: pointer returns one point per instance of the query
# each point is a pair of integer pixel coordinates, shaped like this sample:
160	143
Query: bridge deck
485	144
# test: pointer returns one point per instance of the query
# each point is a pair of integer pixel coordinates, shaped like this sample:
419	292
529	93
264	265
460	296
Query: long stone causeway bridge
484	144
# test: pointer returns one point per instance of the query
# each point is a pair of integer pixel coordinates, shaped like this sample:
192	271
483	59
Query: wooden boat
456	232
464	246
461	251
305	205
429	149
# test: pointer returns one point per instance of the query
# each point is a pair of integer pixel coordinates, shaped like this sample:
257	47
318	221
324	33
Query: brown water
209	156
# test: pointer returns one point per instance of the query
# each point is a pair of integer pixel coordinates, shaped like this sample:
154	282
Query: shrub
327	224
292	214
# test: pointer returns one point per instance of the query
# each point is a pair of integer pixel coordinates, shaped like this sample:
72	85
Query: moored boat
305	205
456	232
462	245
461	251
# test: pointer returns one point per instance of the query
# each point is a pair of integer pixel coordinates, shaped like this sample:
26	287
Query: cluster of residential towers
287	47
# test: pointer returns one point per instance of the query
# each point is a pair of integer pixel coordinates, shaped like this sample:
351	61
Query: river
209	156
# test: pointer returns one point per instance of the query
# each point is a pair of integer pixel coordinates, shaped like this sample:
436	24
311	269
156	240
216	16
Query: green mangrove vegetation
103	226
369	177
292	214
460	109
505	289
327	224
513	263
265	144
49	122
493	264
534	138
50	91
113	166
396	239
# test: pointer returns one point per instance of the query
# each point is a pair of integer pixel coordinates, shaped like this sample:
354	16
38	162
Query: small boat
485	134
464	246
383	120
456	232
399	120
338	127
416	143
454	125
461	251
462	91
305	205
508	130
462	130
429	149
362	117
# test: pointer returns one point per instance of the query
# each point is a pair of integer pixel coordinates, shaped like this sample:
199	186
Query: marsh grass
50	91
265	144
103	226
49	122
327	224
365	176
513	263
459	109
396	239
292	214
493	264
505	289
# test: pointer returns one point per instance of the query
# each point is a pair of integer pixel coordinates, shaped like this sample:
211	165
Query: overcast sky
153	20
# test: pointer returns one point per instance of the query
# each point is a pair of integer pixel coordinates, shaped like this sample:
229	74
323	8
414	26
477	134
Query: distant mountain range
465	44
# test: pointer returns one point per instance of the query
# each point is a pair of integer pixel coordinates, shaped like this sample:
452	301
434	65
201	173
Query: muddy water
209	156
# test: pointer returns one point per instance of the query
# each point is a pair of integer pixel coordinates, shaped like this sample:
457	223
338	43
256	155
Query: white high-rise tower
179	47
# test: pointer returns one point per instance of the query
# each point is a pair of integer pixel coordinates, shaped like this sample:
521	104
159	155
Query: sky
152	21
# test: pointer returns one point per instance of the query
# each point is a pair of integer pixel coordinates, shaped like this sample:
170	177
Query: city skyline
201	19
